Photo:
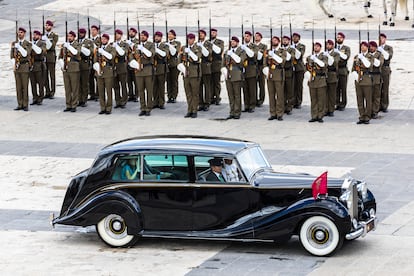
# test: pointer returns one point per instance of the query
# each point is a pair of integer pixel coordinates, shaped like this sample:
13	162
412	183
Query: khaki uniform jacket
276	70
318	74
85	63
161	63
289	63
193	67
332	75
390	51
298	63
173	59
250	64
217	58
97	41
38	60
343	63
206	60
71	61
107	65
364	76
376	71
261	47
22	64
145	62
51	53
235	70
120	62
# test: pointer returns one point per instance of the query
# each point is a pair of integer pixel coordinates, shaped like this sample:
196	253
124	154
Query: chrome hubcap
115	226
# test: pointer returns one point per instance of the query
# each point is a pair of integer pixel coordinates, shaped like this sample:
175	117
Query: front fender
96	208
286	222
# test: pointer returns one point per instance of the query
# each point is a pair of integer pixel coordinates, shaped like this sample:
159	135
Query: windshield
251	160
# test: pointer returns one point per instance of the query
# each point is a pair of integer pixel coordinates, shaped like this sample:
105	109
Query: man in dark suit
216	165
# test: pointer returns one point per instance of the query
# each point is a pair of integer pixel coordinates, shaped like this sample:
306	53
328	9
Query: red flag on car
320	185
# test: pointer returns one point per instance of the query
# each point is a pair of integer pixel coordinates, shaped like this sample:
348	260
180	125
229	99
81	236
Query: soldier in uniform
132	86
69	59
332	77
378	61
93	89
260	63
298	70
142	60
190	67
361	69
87	48
174	47
36	71
274	73
120	70
205	83
387	51
217	54
20	57
161	68
104	66
344	54
288	66
50	39
233	61
316	75
250	67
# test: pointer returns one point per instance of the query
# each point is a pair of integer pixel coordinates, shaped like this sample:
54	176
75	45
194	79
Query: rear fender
103	204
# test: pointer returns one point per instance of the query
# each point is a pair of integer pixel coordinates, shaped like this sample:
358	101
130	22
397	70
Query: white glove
229	52
181	68
336	50
100	50
187	50
44	37
17	45
199	44
248	51
243	47
354	76
259	55
224	72
326	53
330	60
277	58
72	49
173	51
298	54
21	50
235	57
307	76
364	60
384	53
377	62
61	64
133	64
48	44
216	49
265	72
97	68
360	56
119	50
36	49
140	47
204	51
271	53
293	46
193	56
313	57
319	62
66	45
85	51
288	56
13	62
160	52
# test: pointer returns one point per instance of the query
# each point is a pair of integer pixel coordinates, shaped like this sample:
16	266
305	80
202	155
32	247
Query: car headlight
346	198
362	188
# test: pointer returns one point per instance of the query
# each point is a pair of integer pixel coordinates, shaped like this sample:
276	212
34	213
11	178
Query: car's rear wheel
320	236
112	230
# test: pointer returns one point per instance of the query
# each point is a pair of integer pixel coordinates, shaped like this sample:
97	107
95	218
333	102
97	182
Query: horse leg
393	12
367	5
384	5
321	4
406	11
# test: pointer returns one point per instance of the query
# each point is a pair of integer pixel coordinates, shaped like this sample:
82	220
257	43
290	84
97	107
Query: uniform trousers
205	91
364	101
105	92
249	93
376	98
120	89
172	82
36	81
84	86
145	92
276	98
262	90
22	87
215	87
234	94
71	82
341	95
317	97
132	85
331	96
288	90
385	75
191	86
159	90
297	88
50	79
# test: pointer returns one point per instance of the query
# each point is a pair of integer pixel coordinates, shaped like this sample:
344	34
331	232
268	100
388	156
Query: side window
165	166
217	169
127	168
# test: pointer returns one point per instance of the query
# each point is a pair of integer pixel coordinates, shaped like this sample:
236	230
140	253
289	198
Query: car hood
270	179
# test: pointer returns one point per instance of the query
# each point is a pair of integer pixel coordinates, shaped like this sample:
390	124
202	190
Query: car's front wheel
320	236
112	229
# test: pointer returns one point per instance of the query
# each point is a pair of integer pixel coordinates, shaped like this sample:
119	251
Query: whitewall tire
320	236
112	229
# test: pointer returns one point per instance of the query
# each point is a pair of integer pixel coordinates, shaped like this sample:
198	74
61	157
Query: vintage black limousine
164	186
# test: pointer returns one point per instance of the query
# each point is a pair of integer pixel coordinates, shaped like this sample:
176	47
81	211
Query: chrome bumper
365	227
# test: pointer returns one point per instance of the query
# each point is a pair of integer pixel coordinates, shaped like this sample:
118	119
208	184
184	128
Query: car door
218	205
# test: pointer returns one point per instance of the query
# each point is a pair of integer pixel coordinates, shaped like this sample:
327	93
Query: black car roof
184	143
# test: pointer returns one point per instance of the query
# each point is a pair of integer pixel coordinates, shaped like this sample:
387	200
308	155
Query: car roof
179	143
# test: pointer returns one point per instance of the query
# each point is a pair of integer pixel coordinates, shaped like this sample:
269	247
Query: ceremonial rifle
17	28
209	25
89	26
335	34
127	25
242	30
229	33
324	37
43	21
271	33
99	26
198	24
186	33
290	31
77	24
379	31
253	28
368	32
359	38
30	29
313	37
114	26
281	27
166	27
139	31
153	29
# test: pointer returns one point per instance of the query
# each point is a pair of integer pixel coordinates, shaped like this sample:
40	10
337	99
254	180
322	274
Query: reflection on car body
157	187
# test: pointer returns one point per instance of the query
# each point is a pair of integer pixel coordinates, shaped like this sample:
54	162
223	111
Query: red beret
383	35
72	33
365	43
21	29
37	32
341	34
145	33
213	29
235	38
202	31
276	37
94	27
118	31
49	22
133	29
191	36
248	33
158	33
260	34
285	36
373	44
330	42
296	34
173	32
105	36
82	31
318	43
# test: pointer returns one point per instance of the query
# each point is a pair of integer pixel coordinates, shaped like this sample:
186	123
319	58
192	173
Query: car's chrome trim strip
200	238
